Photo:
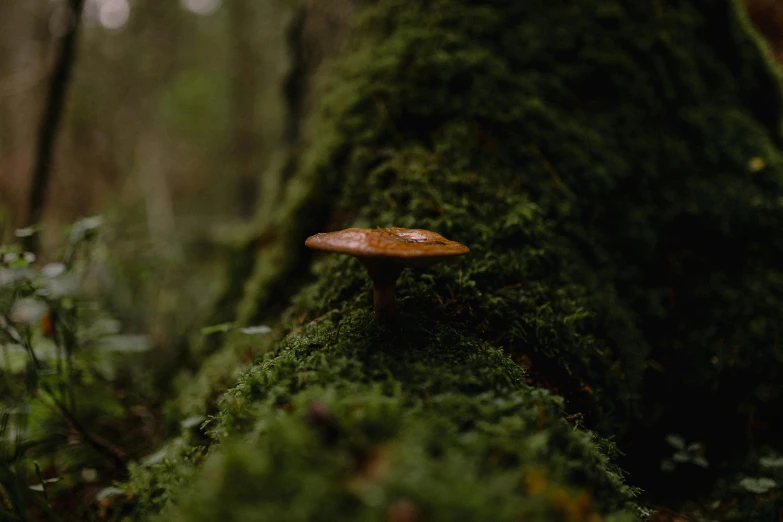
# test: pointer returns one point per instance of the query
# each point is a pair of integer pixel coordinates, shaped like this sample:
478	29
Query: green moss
596	158
347	422
615	170
607	166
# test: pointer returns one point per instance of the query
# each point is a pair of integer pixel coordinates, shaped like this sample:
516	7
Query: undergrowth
75	406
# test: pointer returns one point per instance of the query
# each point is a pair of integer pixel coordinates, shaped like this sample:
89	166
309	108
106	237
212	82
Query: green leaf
757	485
217	328
40	487
700	461
108	492
675	441
771	462
253	330
681	457
191	422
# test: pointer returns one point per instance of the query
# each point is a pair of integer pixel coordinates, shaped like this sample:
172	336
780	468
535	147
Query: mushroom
385	253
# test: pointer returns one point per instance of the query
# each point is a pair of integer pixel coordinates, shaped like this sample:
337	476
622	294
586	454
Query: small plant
65	418
684	453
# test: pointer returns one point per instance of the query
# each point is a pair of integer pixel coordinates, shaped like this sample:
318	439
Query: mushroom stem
384	277
384	300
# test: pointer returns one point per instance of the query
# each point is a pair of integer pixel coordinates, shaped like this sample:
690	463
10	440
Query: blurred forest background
173	110
175	113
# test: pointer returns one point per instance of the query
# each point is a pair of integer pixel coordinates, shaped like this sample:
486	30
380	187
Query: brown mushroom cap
407	246
385	252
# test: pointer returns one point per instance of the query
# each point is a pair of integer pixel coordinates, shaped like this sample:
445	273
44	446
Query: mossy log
615	168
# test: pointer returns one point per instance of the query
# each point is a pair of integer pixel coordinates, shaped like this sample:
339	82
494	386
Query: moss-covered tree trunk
615	168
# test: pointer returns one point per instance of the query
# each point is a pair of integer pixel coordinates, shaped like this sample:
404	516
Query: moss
616	171
198	393
608	166
346	422
594	169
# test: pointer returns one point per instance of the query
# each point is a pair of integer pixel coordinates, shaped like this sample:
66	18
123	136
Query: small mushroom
386	252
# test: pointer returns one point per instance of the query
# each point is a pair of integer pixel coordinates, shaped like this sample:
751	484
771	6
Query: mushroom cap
409	246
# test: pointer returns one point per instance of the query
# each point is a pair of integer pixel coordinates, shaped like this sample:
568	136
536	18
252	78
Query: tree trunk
615	169
50	124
